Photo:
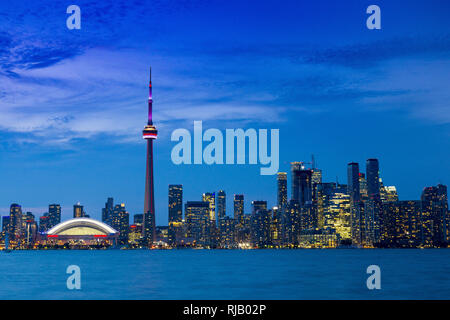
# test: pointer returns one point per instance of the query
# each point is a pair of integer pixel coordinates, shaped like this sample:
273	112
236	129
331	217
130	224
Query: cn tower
150	133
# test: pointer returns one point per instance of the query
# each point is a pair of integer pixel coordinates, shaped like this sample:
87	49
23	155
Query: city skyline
67	210
363	213
318	214
71	103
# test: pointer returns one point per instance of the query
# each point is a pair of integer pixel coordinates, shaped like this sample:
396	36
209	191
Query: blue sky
73	102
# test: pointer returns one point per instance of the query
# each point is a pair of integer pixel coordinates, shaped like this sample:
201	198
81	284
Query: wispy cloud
59	87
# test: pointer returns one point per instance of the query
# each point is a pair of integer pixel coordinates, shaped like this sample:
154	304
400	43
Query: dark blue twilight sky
73	102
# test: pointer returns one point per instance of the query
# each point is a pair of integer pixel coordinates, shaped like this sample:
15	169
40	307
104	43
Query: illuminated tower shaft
150	133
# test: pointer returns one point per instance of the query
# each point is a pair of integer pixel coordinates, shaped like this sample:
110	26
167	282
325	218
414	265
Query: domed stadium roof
81	227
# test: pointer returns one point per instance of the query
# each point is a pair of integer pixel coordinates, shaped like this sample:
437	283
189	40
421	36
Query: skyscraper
211	199
295	166
260	222
44	223
221	204
373	178
198	221
363	187
120	220
291	223
339	213
434	215
107	211
54	214
78	211
356	208
239	209
150	133
281	189
15	222
227	232
373	207
175	203
353	181
30	228
401	224
175	212
302	179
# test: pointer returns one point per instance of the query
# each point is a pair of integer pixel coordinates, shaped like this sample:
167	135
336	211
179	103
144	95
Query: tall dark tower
373	178
150	133
353	181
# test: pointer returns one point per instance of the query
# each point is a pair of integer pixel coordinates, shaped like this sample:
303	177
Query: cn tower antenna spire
150	99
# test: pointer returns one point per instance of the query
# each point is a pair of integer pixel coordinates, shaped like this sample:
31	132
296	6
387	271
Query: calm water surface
226	274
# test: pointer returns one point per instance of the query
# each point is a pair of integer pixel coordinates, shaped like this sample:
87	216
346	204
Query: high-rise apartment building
221	204
282	189
434	216
175	212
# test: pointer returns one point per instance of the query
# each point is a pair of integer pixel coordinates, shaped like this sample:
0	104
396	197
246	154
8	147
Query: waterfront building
338	216
120	221
135	235
260	223
227	237
401	225
15	224
434	216
175	212
198	222
318	239
291	223
276	226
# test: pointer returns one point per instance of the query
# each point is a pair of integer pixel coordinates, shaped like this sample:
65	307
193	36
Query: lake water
226	274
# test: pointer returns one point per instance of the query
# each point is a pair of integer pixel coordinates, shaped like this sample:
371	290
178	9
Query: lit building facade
227	238
78	211
211	199
120	221
282	189
54	214
175	213
221	204
239	208
401	224
260	232
197	216
434	216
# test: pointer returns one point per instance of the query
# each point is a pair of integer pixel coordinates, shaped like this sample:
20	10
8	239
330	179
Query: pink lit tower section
150	133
